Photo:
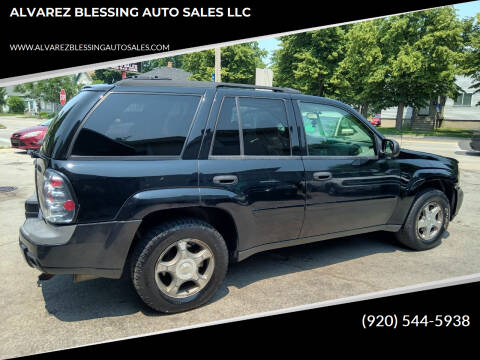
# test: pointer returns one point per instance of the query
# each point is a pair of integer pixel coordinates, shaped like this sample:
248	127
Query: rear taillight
56	198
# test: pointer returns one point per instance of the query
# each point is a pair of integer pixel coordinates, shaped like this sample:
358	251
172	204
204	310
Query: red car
376	120
29	138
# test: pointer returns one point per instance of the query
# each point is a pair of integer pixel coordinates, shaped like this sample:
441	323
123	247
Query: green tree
308	61
106	76
49	90
422	53
359	78
16	104
3	94
471	57
238	63
404	62
155	63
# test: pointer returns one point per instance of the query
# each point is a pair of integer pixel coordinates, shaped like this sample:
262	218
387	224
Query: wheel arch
219	219
443	184
424	181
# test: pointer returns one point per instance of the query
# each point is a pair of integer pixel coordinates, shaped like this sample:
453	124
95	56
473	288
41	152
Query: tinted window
331	131
137	124
265	127
60	125
227	139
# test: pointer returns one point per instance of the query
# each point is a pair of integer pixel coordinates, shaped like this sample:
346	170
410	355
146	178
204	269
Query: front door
349	187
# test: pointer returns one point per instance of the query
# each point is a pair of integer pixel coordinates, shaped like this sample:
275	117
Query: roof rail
151	77
260	87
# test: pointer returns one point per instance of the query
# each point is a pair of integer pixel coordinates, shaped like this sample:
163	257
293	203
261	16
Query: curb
432	138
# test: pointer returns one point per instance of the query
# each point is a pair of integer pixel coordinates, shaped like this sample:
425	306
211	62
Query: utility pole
218	65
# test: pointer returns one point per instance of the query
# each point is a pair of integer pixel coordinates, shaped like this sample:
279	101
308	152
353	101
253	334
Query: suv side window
227	138
331	131
137	124
264	125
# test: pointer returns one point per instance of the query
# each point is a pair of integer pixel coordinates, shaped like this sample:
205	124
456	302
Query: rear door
252	159
349	187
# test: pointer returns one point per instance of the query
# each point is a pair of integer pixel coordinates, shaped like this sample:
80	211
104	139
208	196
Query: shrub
16	104
46	115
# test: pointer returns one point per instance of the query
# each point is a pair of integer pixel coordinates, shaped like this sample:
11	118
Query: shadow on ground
466	149
100	298
466	152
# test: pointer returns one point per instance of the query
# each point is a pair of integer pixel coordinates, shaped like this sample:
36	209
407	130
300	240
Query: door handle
320	176
225	180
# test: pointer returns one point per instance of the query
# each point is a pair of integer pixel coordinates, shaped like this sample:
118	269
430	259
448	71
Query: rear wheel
179	265
427	221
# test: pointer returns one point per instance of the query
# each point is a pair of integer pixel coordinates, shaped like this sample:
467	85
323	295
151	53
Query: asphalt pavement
57	314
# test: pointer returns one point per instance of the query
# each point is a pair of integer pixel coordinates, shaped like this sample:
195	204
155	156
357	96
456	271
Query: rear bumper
93	249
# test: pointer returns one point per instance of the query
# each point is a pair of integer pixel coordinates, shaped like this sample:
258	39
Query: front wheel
179	265
427	221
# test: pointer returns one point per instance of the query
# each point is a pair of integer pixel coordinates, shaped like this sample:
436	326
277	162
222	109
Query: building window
464	99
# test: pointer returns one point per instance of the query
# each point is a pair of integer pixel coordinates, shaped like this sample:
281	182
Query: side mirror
346	132
390	148
33	153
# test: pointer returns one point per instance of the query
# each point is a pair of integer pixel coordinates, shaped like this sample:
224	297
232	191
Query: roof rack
260	87
207	84
151	77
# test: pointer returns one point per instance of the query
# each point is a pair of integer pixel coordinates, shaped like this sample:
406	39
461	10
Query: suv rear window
127	124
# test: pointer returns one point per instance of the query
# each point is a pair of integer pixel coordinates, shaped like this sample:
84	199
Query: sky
468	9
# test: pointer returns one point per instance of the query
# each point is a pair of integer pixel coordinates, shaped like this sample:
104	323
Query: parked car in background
376	120
475	143
30	138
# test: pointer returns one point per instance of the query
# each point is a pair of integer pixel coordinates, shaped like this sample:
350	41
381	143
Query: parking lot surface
58	313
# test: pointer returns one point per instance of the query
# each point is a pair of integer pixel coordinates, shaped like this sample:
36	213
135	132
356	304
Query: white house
33	106
462	112
84	78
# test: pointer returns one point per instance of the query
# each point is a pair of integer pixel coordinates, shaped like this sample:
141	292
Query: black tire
409	235
155	242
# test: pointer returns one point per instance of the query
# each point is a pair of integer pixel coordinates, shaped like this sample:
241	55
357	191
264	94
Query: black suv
168	181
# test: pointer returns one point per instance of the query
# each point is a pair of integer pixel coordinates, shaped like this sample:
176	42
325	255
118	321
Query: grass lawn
21	115
11	114
462	133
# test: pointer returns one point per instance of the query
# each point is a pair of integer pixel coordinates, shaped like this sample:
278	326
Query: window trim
333	157
242	155
132	157
255	157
